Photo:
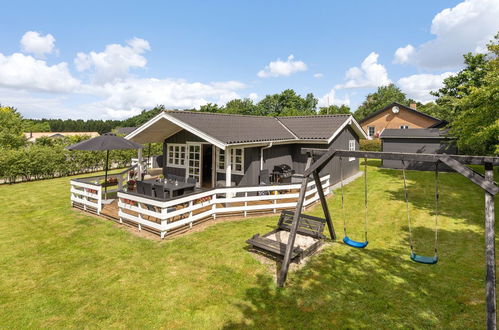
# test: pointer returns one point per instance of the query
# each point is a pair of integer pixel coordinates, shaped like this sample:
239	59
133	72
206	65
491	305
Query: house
123	131
397	116
33	136
197	145
416	140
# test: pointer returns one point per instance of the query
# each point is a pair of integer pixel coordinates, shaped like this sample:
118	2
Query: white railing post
245	204
214	206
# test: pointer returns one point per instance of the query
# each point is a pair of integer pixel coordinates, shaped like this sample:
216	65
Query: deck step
272	246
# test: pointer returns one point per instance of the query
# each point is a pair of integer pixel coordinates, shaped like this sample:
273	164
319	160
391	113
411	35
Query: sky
111	59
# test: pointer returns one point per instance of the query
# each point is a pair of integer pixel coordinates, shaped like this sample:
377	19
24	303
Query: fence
164	216
87	193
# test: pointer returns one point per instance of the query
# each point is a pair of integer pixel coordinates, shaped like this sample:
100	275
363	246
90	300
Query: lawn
60	268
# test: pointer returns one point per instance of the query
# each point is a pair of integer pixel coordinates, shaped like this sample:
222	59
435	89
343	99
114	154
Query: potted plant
130	185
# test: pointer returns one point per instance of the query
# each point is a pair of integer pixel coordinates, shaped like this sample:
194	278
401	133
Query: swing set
455	162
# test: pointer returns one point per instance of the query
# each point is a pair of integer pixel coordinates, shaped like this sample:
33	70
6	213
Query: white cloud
318	75
33	42
115	61
403	54
331	99
467	27
419	86
282	68
124	98
370	74
253	97
25	72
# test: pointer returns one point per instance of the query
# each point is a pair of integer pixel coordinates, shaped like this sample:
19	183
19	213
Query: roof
374	114
313	127
125	130
228	129
415	133
33	136
231	129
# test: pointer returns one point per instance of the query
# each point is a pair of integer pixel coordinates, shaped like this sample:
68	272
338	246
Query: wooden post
292	234
228	167
139	165
325	209
490	251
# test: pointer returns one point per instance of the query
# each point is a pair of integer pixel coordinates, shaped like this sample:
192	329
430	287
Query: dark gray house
417	140
198	144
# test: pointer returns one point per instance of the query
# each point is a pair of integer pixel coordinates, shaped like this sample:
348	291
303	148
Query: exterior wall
289	154
387	119
429	146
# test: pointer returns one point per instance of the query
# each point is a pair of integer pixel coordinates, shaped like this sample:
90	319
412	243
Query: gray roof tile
233	129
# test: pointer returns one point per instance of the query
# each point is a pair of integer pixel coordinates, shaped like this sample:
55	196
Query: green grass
60	268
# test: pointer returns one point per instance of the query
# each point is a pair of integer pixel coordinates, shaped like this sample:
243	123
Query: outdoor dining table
174	189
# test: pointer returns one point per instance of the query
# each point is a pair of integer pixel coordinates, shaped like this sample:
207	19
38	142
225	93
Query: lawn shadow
369	288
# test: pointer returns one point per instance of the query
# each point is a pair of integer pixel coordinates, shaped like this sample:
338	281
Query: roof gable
391	105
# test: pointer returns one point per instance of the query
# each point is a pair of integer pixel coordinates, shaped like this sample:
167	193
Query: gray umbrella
107	141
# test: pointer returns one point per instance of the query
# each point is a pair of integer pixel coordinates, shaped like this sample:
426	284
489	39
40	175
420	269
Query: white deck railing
87	193
163	216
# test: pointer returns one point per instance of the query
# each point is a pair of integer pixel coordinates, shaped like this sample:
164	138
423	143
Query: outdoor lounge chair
140	188
159	191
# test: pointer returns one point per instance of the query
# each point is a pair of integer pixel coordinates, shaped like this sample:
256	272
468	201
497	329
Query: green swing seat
423	259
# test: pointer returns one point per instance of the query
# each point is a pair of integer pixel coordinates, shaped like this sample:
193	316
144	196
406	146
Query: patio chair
191	180
140	188
264	181
160	192
147	189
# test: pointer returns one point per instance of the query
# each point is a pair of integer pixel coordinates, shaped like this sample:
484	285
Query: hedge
370	145
36	162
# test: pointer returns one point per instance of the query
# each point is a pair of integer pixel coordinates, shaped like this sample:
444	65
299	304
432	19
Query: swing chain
437	199
342	198
365	197
407	207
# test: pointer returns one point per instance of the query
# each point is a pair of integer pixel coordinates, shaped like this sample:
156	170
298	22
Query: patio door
194	162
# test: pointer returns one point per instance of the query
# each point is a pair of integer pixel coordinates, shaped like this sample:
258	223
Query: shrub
370	145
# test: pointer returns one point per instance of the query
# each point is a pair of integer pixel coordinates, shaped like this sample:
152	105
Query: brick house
397	116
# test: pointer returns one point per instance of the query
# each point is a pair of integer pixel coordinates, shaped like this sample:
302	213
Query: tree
210	107
287	103
476	125
460	85
241	107
11	128
380	99
335	109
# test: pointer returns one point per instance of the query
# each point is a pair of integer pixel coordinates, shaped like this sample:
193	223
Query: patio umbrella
105	142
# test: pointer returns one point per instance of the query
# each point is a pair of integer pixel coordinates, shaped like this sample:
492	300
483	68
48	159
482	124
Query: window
176	155
237	160
404	127
371	130
351	147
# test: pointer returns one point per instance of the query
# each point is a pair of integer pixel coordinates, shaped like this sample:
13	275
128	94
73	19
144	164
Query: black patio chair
147	189
191	180
159	191
140	188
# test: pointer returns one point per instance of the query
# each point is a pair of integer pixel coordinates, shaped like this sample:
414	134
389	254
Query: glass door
194	162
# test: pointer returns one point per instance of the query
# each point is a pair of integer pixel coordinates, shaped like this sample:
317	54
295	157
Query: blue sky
97	59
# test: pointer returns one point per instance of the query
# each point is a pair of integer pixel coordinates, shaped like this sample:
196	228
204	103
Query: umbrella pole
105	176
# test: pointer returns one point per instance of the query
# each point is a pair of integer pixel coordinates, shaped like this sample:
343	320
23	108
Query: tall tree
287	103
11	128
380	99
335	109
460	85
240	106
476	124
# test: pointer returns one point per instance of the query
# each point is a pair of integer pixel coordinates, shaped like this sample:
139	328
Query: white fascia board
355	126
144	126
195	131
164	115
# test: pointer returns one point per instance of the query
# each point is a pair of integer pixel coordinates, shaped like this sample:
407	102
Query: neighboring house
423	140
33	136
397	116
196	144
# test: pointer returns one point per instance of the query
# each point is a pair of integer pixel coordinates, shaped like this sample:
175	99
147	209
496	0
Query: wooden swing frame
455	162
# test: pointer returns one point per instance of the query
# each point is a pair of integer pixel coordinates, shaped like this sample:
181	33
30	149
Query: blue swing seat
424	260
355	244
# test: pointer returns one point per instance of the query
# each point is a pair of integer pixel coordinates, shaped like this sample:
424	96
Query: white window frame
233	161
369	131
351	147
184	160
404	126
